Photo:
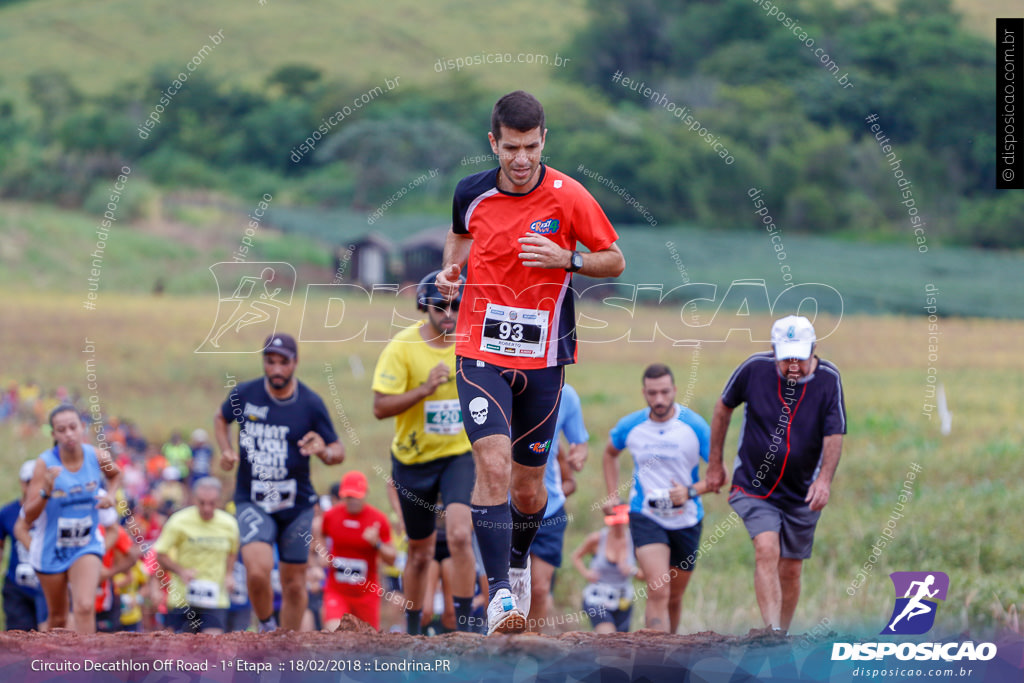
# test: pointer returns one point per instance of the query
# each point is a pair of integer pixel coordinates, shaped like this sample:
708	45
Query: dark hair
63	407
656	370
517	110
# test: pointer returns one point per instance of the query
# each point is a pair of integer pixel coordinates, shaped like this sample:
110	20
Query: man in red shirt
516	230
354	534
121	555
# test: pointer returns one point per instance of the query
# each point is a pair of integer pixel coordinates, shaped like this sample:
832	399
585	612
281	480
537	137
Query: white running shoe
503	616
521	586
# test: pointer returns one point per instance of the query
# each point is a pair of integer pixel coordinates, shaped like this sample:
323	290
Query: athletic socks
413	619
493	526
463	610
524	529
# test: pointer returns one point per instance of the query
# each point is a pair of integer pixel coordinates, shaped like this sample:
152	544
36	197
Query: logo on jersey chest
255	412
548	226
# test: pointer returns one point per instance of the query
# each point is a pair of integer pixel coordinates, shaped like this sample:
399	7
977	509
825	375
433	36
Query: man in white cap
202	456
789	448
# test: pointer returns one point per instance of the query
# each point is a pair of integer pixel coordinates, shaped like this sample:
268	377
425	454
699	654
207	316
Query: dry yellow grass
146	370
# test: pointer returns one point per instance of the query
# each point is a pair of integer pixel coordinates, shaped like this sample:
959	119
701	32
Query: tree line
784	88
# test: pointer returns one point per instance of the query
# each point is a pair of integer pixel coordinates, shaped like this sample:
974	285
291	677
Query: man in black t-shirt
281	423
791	440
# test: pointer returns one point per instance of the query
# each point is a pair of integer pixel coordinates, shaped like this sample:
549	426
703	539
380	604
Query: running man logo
545	227
249	301
914	613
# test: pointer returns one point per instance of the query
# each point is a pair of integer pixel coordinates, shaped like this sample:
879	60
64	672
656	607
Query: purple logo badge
917	601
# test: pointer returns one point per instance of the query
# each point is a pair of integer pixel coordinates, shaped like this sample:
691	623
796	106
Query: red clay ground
357	652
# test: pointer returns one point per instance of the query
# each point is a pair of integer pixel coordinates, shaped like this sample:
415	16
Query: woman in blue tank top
62	509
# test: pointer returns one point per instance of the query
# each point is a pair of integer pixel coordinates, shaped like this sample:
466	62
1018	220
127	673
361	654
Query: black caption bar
1009	54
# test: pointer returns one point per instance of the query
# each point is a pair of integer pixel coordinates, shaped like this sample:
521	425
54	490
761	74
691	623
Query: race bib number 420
442	417
514	331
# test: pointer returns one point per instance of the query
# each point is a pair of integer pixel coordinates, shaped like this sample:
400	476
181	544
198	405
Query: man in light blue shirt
546	549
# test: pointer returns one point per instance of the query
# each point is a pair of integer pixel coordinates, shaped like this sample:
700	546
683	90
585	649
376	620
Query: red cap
353	485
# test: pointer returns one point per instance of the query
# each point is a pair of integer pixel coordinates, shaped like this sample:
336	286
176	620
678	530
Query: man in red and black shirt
516	230
790	443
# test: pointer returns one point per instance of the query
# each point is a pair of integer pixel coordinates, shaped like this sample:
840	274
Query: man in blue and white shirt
667	442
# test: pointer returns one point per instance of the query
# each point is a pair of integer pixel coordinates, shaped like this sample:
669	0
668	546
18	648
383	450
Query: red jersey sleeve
590	224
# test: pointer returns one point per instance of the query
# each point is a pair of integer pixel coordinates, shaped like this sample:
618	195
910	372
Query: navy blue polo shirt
19	571
784	427
272	473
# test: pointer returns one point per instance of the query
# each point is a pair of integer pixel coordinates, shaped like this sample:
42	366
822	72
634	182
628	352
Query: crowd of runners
478	482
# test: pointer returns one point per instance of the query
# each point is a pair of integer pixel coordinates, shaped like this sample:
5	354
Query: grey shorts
291	534
794	526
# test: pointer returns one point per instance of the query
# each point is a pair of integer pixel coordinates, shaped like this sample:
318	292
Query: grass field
963	518
113	41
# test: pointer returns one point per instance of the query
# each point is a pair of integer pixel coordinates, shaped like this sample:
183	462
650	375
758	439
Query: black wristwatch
43	494
691	492
575	262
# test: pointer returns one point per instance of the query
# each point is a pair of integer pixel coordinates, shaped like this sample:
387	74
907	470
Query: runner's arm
588	547
568	478
229	573
537	251
396	506
389	405
577	455
113	474
715	476
333	453
388	553
123	561
605	263
170	565
228	457
610	464
319	545
456	254
42	479
821	487
456	249
21	532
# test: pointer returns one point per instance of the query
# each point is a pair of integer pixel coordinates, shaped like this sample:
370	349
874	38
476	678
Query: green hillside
110	41
177	249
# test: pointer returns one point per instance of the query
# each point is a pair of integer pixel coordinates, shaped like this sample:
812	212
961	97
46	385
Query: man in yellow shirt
197	546
431	456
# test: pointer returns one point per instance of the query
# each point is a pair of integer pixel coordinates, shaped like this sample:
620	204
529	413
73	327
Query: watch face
577	260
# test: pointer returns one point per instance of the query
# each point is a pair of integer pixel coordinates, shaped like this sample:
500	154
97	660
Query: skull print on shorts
478	409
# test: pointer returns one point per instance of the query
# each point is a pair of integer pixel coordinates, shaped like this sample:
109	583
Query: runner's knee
460	539
529	497
419	558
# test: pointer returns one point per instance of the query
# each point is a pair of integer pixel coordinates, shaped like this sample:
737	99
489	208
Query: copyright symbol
1007	174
